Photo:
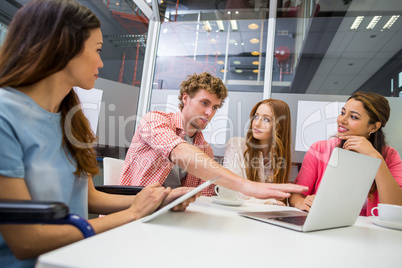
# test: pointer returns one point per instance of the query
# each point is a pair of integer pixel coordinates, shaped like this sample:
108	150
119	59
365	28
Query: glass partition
318	50
229	44
233	50
322	50
346	46
3	32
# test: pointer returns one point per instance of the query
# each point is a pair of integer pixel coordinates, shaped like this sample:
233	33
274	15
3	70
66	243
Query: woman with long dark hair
47	152
360	129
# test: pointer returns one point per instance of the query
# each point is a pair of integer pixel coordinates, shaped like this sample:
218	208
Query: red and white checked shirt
147	159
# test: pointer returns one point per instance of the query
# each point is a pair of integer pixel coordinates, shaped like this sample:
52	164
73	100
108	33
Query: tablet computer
180	200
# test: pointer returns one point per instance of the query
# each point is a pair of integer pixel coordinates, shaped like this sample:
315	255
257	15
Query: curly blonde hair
196	82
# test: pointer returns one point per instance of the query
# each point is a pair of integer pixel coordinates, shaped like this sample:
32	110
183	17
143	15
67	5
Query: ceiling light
357	22
207	26
233	23
239	71
220	62
237	62
220	25
255	71
373	22
254	41
253	26
255	53
256	62
390	22
223	71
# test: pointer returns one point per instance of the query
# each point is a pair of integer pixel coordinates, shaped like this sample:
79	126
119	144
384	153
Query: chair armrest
29	210
41	212
119	189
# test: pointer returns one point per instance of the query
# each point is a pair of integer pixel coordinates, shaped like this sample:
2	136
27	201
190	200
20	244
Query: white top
234	161
213	235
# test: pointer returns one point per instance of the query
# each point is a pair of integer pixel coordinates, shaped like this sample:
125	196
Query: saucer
227	202
386	224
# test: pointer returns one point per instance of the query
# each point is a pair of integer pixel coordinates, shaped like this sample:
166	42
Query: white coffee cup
225	193
388	212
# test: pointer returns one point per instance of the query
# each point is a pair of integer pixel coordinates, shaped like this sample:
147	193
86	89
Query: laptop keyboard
297	220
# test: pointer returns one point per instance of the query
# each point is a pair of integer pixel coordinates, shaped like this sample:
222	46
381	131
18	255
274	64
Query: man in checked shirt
169	148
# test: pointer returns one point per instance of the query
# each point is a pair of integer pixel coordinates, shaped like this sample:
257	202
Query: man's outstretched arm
194	161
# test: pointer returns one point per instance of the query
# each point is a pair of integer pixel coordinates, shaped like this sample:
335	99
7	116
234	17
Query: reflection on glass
3	32
186	47
344	47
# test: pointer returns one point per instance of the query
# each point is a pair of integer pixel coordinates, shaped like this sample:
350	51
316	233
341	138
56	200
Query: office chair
111	170
41	212
111	175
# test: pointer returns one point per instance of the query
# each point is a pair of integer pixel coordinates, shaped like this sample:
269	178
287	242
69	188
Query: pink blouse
315	162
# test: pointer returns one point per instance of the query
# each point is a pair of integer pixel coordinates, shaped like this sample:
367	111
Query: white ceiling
356	55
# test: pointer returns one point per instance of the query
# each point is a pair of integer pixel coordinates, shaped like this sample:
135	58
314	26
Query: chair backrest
111	170
111	175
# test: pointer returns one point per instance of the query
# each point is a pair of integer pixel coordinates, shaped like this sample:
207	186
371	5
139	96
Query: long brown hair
43	37
378	109
280	150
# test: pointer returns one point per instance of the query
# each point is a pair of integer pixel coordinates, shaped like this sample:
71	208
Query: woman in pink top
360	129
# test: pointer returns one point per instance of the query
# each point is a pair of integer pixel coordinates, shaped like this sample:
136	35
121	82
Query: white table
213	235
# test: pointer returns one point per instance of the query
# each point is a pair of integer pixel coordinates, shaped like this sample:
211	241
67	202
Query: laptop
179	200
339	199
